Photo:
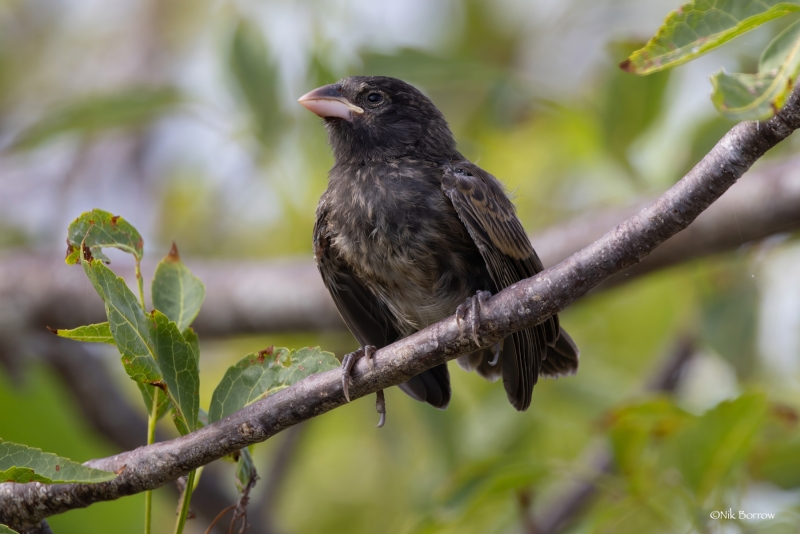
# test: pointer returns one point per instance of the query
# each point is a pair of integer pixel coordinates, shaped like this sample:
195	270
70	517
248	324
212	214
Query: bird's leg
367	351
474	303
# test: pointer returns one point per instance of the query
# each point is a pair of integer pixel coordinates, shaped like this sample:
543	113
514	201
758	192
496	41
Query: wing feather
491	220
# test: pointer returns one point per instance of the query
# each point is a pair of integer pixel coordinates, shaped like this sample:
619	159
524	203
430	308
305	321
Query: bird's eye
374	97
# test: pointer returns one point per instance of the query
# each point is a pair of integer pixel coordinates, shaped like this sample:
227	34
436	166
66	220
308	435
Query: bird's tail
486	362
561	359
432	386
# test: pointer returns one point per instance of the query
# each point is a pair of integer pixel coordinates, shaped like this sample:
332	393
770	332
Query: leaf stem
140	283
185	499
151	438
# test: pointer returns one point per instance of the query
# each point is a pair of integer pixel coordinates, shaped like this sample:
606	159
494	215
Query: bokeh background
182	117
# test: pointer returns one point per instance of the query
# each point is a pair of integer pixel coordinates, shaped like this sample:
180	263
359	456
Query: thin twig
240	512
219	517
85	375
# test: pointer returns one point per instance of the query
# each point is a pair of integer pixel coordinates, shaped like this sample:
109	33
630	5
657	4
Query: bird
409	232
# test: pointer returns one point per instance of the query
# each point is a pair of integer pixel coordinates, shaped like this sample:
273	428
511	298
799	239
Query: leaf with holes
262	373
97	229
177	293
23	464
759	96
700	26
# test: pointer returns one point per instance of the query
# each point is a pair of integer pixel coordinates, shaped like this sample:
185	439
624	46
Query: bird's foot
349	360
474	304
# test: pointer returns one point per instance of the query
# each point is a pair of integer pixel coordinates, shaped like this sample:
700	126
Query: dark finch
409	229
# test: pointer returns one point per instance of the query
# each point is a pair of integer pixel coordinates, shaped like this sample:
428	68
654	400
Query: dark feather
367	318
408	230
490	218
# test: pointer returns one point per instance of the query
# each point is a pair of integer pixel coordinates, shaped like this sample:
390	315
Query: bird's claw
349	361
474	303
380	406
495	354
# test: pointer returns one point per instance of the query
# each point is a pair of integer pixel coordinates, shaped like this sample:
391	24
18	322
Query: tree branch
520	306
86	377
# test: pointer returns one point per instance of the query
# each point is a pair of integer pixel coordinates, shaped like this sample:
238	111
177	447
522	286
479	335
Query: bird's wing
367	318
490	218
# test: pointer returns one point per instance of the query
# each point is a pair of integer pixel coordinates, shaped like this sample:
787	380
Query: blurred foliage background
181	116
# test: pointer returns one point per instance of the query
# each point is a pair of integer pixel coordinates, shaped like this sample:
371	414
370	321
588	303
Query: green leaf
700	26
180	423
634	427
759	96
779	464
20	463
148	391
475	483
245	469
97	229
129	326
92	333
95	114
179	368
191	338
728	318
262	373
707	450
5	530
202	418
177	293
256	75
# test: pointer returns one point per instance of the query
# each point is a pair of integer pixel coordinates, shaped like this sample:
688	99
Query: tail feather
432	386
562	357
483	362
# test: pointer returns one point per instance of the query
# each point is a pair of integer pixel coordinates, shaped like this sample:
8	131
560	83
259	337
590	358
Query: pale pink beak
327	101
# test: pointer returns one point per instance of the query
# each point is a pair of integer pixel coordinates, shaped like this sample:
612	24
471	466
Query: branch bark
521	305
86	377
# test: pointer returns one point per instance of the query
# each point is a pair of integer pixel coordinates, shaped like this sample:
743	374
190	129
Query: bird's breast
403	239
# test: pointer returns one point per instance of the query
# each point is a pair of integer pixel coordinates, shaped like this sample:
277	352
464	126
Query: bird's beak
327	101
